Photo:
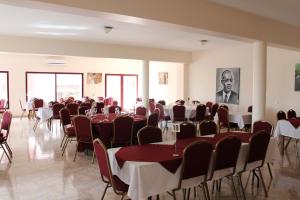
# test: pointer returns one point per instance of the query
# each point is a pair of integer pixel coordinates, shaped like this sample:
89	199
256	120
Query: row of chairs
289	115
4	133
225	157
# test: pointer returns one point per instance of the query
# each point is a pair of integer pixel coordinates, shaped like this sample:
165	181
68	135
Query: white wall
171	91
17	65
281	82
202	73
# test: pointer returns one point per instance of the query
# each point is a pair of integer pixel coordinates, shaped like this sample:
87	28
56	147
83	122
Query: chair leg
93	160
107	185
123	195
76	152
8	148
207	191
263	183
242	187
270	170
65	146
233	187
62	141
174	195
8	157
35	124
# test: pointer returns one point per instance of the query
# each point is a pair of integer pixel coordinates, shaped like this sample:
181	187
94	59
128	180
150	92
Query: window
53	86
4	94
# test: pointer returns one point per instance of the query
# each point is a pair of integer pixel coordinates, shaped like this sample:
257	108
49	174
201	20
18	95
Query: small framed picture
94	78
163	78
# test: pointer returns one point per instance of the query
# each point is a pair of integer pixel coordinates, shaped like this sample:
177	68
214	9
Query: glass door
122	88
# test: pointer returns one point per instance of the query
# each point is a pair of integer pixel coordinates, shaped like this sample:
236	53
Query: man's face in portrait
227	81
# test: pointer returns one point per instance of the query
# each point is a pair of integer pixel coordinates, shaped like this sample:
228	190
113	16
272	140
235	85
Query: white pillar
259	80
186	82
145	82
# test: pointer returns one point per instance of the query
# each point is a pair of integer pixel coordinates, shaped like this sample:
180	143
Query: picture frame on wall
228	85
297	77
94	78
163	78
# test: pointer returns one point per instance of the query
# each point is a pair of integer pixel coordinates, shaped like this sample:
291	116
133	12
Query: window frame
7	85
55	75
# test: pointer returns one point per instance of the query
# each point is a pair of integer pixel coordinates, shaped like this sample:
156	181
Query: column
259	80
145	82
186	82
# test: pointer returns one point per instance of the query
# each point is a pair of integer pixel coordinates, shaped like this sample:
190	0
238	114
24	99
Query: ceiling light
203	42
55	33
61	27
108	29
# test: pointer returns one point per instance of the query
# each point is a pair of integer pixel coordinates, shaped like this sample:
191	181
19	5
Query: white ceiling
286	11
22	21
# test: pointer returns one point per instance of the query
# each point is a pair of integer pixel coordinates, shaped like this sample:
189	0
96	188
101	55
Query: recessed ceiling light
203	42
55	33
61	27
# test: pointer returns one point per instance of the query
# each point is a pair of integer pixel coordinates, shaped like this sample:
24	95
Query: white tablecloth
285	128
240	119
44	113
150	178
29	105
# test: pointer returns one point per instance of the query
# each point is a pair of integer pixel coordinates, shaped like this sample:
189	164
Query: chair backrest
214	110
100	98
195	102
99	106
2	103
65	118
291	114
151	107
56	108
152	101
200	112
187	130
226	154
208	127
153	119
161	111
78	102
86	104
209	104
179	113
38	103
262	126
122	129
180	102
83	129
194	165
224	106
112	109
223	117
51	103
258	146
149	134
6	122
115	103
82	109
103	161
281	115
73	108
250	109
162	102
140	110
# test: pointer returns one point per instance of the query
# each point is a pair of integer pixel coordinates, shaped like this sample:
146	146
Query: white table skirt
44	113
149	178
285	128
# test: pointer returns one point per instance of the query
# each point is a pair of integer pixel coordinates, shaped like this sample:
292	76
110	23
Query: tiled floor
39	172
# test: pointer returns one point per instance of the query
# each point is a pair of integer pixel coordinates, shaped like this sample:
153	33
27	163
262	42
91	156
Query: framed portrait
163	78
94	78
297	77
228	85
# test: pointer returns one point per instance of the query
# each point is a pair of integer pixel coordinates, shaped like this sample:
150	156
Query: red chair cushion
70	131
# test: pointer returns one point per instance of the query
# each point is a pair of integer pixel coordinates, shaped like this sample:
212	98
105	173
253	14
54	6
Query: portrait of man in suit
227	86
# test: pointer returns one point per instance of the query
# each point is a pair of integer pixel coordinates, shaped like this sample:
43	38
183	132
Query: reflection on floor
39	172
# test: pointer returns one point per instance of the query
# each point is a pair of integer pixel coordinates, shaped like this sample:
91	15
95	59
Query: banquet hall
149	99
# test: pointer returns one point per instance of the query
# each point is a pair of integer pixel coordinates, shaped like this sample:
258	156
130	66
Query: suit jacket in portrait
233	98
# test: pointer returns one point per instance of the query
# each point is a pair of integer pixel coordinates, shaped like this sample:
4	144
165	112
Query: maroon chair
99	106
209	104
187	130
112	109
122	131
87	104
224	106
149	134
115	103
119	187
281	115
291	114
162	116
55	108
153	119
152	101
223	121
226	155
255	159
68	128
38	103
214	110
82	109
4	133
200	113
208	127
250	109
179	113
151	107
162	102
195	166
73	108
141	111
179	102
83	131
